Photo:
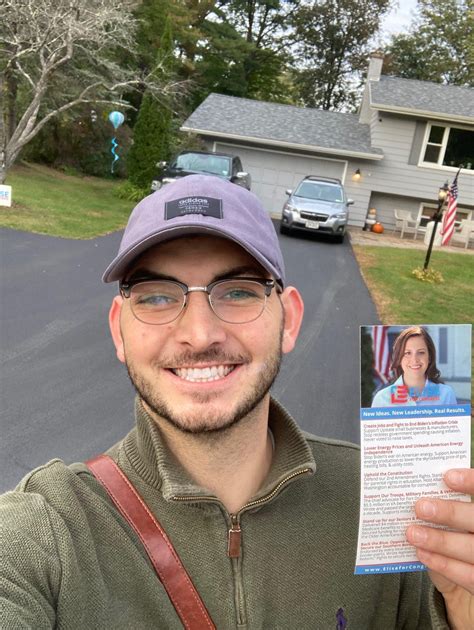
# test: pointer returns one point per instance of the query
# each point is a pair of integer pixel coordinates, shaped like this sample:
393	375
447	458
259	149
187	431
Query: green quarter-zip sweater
71	562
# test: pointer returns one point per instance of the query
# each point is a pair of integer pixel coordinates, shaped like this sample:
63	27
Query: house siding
417	143
374	120
386	204
359	192
397	182
395	175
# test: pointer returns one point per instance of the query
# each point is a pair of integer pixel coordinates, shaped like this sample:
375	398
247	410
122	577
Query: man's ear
293	308
114	323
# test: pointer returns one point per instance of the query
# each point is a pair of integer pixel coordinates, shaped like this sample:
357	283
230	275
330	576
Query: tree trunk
3	173
12	91
7	159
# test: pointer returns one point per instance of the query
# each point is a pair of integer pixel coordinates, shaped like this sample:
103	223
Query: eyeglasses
235	301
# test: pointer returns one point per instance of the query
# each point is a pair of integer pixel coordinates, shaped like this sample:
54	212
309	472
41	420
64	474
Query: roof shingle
422	96
287	124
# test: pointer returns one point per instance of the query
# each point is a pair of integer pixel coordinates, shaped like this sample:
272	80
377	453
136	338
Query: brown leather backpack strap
168	566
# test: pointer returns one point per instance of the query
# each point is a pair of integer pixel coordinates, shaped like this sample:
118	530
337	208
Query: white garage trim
282	143
310	157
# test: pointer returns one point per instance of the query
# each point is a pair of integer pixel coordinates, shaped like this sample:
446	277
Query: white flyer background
404	453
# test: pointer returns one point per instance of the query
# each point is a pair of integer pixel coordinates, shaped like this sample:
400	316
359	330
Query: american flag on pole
450	214
381	352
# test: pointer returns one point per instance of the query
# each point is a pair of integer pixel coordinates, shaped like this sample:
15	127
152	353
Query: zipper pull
234	539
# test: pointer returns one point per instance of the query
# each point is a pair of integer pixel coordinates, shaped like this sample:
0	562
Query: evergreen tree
153	130
151	141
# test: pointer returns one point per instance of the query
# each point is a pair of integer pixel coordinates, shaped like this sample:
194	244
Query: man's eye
238	294
155	299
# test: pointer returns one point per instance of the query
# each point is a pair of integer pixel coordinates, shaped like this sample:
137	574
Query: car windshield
202	163
320	191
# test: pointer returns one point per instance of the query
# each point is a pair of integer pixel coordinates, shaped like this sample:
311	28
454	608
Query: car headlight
290	207
341	215
168	180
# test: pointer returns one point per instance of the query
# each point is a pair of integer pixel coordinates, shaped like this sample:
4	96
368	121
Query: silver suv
319	204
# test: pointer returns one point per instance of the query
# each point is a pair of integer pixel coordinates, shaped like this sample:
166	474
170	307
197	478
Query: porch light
357	175
442	193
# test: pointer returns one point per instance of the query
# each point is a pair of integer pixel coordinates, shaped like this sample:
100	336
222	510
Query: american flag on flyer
381	352
450	214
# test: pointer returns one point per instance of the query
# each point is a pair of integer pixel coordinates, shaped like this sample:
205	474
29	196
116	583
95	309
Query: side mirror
350	202
241	175
161	164
288	191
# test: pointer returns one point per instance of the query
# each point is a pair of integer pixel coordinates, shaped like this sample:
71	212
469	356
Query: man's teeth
203	375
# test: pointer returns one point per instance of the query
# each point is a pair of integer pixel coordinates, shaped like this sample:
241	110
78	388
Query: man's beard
210	423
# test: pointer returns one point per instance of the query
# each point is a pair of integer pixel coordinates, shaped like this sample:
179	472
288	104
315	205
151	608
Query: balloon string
112	150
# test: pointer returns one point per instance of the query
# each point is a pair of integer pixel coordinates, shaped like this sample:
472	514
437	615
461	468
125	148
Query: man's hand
449	555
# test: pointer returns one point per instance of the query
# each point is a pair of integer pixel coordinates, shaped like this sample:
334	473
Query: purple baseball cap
200	204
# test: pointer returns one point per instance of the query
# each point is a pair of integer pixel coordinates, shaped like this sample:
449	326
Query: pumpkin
377	228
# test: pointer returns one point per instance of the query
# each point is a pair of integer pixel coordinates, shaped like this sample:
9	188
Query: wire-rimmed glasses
233	300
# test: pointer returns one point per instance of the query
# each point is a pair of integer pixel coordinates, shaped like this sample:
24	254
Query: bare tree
56	54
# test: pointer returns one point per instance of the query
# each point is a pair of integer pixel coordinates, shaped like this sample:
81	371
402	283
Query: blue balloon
116	118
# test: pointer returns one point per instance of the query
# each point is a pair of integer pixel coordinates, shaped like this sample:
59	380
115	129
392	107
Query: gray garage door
272	173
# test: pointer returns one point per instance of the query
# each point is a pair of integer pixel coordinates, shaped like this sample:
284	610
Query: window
203	163
449	146
321	191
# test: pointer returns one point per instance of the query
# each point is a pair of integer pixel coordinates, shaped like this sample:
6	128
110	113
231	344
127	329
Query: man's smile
205	374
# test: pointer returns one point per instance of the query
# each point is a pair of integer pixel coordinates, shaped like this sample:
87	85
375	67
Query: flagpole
442	194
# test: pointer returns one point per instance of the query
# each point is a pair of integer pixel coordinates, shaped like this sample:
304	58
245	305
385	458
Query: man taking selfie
260	519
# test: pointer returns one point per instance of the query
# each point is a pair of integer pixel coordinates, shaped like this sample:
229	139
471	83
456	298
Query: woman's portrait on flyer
401	366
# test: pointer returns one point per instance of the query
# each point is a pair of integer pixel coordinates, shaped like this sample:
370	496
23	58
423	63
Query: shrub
127	190
428	275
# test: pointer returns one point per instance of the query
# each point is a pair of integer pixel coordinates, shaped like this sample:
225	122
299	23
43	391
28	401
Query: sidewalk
389	239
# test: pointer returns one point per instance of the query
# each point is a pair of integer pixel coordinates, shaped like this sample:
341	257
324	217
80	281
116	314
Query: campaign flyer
415	422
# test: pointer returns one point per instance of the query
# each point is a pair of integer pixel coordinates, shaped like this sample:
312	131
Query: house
407	140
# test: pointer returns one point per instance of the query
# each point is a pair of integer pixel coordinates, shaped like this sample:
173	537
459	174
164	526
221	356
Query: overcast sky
399	19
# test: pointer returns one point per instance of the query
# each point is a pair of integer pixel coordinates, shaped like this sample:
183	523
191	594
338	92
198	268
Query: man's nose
198	325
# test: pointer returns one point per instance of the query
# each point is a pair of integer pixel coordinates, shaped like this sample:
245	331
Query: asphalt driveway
64	393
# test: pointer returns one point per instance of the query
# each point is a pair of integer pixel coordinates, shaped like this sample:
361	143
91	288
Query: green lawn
47	201
401	298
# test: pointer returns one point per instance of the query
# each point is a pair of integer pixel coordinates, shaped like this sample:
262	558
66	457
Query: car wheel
339	238
284	229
